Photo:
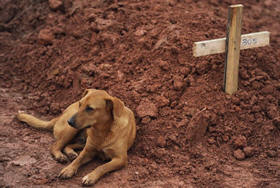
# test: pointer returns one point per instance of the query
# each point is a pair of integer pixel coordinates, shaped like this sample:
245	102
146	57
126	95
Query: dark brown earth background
189	132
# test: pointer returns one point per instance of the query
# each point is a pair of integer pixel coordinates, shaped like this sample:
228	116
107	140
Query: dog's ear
87	91
116	107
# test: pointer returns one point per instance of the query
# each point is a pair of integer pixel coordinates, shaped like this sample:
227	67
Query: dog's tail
35	122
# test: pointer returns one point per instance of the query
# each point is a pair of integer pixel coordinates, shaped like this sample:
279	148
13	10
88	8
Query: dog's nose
71	121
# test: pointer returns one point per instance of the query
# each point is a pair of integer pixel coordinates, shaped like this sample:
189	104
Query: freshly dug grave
189	132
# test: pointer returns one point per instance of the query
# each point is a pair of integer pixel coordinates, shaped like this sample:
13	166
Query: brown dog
109	128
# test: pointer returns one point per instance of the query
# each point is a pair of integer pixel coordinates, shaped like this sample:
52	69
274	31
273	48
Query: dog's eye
89	109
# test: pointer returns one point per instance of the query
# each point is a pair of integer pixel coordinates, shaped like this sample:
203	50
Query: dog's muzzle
72	121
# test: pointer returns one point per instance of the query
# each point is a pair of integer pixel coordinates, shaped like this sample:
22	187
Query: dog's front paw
67	172
90	179
61	158
72	156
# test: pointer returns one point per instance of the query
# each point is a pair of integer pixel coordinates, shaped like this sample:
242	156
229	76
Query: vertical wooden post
233	40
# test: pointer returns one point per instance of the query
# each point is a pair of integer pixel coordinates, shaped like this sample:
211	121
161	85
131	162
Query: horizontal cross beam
252	40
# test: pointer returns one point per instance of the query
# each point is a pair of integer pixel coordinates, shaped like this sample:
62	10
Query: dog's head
96	108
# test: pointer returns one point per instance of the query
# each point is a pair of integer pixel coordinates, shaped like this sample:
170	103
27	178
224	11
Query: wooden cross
232	44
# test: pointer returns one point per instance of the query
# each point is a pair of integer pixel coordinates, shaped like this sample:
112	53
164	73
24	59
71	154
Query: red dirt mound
189	132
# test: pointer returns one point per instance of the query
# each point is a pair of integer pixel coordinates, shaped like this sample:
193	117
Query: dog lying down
103	121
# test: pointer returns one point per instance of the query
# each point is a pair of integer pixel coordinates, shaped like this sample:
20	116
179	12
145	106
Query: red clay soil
189	132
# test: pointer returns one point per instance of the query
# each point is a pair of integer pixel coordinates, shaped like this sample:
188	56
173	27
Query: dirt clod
146	120
249	151
178	84
146	108
239	154
211	140
271	153
276	122
45	36
268	89
162	101
202	67
161	141
56	4
240	142
164	65
197	127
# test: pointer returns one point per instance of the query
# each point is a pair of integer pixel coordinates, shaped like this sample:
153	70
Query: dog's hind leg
69	150
63	136
56	151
